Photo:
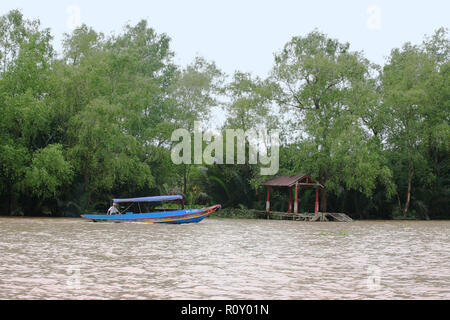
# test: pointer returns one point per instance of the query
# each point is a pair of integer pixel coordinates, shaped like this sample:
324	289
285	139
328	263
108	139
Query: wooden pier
319	216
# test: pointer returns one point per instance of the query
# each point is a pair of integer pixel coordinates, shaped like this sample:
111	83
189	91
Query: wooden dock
319	216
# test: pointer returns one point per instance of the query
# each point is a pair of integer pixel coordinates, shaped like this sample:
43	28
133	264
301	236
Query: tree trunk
344	199
9	199
408	196
87	189
323	200
185	179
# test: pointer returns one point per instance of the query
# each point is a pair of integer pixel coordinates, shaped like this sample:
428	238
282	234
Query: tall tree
416	95
195	95
26	56
103	153
320	78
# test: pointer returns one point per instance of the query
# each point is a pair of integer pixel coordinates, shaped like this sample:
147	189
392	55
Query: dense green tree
26	55
415	91
49	171
250	104
103	153
13	161
321	79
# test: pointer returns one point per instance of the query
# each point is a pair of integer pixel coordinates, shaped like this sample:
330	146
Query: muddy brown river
58	258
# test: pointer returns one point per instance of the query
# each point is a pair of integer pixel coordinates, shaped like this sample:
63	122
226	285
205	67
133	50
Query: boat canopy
150	199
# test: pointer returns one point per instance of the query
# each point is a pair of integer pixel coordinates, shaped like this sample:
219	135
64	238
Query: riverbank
245	213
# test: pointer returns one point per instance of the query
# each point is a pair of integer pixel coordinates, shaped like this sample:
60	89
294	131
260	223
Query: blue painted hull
177	217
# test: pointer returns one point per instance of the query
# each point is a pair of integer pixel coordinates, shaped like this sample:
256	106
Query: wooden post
290	199
316	206
296	199
268	199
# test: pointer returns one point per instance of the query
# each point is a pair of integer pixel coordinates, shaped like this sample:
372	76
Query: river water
58	258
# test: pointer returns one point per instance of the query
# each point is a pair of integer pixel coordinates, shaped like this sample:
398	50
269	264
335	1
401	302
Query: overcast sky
244	34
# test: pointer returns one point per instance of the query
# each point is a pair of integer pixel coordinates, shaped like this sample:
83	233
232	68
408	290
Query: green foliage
12	159
236	213
250	104
418	123
102	152
194	91
49	171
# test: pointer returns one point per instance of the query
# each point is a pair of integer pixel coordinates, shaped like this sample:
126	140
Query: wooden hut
293	182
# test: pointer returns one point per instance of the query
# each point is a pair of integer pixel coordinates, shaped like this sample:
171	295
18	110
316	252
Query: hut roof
289	181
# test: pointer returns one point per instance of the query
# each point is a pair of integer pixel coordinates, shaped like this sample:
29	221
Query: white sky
243	35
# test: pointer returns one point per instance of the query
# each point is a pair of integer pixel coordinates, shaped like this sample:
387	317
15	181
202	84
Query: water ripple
224	259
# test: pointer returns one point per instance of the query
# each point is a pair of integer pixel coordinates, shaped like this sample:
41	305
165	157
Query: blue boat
162	215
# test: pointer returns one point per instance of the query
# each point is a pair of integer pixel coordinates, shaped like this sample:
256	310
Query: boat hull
176	217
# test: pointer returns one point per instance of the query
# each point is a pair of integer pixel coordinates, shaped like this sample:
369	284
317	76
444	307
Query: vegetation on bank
94	122
236	213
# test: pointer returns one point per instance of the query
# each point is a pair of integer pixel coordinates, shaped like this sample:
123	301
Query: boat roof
150	199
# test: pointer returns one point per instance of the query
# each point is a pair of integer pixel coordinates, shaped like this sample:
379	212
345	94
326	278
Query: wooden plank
320	216
341	217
